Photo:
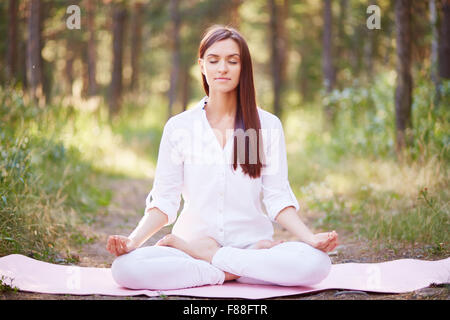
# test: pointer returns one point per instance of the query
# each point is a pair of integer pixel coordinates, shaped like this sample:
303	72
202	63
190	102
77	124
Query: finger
320	245
123	246
108	246
115	246
331	246
119	246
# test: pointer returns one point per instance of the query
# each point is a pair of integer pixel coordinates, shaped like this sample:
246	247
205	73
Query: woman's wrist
132	244
308	239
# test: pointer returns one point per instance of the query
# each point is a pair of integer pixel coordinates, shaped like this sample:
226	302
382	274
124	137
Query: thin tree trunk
119	17
342	37
327	58
234	13
175	18
279	52
11	59
68	69
403	92
34	60
91	49
136	44
434	51
185	87
369	50
444	41
83	53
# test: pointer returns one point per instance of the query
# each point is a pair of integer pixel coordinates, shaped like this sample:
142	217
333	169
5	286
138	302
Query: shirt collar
203	102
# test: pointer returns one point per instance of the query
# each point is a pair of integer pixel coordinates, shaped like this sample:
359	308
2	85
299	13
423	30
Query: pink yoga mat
396	276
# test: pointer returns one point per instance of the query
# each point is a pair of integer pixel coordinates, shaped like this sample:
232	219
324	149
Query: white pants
164	268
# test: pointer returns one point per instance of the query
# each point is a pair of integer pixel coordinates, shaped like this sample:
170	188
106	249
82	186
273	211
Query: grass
348	178
47	188
7	287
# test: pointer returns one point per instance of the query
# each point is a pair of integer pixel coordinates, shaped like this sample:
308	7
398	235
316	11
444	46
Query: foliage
351	178
45	187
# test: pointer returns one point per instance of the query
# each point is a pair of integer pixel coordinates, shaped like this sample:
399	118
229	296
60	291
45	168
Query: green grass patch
348	177
47	188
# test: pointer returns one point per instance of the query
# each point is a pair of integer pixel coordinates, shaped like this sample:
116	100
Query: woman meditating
227	157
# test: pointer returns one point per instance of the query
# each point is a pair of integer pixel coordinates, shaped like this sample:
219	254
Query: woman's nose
222	66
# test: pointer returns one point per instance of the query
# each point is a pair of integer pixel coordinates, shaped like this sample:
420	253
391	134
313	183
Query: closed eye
229	62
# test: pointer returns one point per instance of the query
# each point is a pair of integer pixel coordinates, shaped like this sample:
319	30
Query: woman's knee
310	265
123	270
126	269
319	268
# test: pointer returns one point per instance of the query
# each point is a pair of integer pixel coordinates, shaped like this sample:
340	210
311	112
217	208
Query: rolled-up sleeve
168	181
277	193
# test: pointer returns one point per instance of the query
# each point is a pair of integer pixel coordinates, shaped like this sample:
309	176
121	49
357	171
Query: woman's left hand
325	241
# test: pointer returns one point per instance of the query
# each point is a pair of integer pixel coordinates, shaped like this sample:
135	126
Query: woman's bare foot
202	248
205	248
267	244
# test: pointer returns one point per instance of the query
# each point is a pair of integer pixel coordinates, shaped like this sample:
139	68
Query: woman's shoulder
268	119
185	118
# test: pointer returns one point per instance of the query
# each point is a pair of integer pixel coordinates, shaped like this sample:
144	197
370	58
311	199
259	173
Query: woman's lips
222	79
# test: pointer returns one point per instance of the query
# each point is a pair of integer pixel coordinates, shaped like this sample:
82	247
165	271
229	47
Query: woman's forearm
152	221
290	220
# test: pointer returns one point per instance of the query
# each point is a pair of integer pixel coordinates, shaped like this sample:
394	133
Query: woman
220	156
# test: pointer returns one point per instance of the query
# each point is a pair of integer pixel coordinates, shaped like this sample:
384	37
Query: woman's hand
119	245
325	241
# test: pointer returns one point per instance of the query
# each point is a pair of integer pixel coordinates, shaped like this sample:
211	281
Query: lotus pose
227	157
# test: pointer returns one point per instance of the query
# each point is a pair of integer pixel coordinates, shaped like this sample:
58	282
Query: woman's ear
200	62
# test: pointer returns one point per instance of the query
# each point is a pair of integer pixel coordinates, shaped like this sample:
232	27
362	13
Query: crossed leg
163	268
174	264
282	263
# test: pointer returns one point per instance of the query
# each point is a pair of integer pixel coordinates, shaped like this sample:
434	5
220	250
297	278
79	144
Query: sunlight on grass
107	150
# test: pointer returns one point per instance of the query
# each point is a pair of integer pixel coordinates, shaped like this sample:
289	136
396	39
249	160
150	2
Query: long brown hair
246	114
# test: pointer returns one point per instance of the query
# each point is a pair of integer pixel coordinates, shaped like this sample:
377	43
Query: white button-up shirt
219	202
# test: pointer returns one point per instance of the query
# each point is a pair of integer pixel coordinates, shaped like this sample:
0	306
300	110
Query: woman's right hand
119	245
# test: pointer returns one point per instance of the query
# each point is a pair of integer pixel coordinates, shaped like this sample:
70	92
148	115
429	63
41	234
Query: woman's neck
221	105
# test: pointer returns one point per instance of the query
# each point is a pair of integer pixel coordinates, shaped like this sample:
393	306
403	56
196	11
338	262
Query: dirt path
127	207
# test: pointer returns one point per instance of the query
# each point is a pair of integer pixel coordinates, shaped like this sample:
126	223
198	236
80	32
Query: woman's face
221	65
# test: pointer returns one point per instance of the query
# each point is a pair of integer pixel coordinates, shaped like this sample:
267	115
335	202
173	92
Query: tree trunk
279	52
175	18
342	38
185	87
327	59
119	17
34	59
11	55
136	44
235	19
369	46
444	44
91	49
68	69
403	92
434	51
83	53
